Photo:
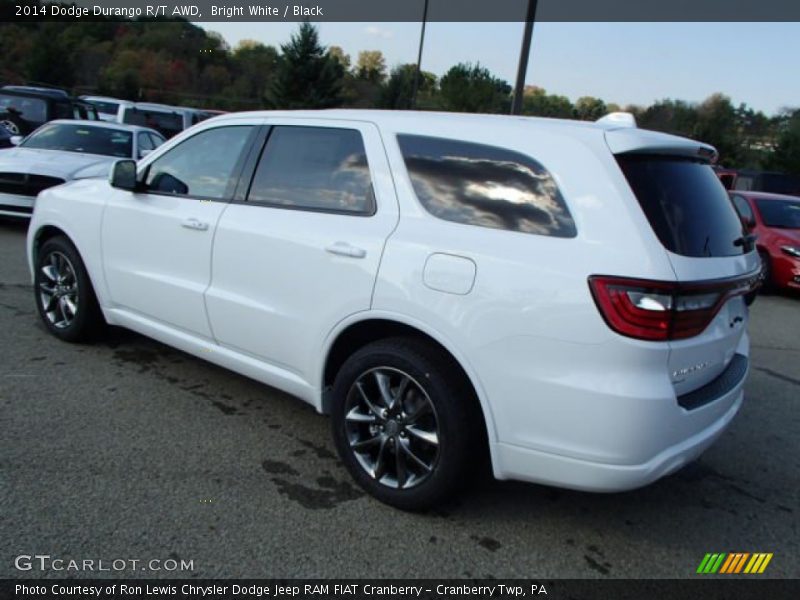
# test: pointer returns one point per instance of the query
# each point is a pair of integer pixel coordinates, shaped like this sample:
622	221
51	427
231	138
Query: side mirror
749	223
123	175
16	139
144	152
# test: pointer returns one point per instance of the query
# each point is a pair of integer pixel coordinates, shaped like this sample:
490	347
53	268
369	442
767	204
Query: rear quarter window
483	185
685	203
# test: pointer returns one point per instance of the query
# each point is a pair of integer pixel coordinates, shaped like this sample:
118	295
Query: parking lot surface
127	449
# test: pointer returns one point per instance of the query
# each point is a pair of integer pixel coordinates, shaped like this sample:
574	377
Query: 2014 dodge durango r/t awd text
566	297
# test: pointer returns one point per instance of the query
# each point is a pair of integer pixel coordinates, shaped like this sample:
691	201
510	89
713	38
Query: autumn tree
339	55
371	66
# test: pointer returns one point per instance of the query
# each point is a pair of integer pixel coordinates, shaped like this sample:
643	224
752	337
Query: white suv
565	296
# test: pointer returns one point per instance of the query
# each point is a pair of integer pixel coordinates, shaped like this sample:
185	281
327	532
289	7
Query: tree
371	66
786	157
536	101
338	54
48	60
717	125
589	108
670	116
254	66
308	76
472	88
396	93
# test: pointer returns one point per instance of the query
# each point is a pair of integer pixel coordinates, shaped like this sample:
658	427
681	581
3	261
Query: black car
23	109
5	134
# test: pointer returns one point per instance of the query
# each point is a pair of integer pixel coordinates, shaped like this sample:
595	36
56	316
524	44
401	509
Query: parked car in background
108	109
751	180
62	150
563	297
775	220
169	120
28	107
5	135
55	91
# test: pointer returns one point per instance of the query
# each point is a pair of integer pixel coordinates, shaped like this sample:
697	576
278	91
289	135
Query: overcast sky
638	63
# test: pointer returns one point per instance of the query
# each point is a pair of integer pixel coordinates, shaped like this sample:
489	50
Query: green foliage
308	77
538	103
396	93
472	88
588	108
786	157
177	62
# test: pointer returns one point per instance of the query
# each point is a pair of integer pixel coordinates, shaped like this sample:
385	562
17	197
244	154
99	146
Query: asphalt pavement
129	450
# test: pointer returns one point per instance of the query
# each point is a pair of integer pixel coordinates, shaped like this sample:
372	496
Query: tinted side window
31	109
201	166
62	110
145	143
485	186
685	203
166	123
743	208
156	140
314	168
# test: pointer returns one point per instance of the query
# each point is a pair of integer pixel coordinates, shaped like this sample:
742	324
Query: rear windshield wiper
746	241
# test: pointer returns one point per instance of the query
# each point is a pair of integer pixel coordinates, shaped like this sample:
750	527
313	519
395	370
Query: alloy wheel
58	290
392	427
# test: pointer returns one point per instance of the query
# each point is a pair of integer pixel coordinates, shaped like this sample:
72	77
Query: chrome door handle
345	249
195	224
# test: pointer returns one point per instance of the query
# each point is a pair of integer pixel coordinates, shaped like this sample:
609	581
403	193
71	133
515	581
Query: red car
775	219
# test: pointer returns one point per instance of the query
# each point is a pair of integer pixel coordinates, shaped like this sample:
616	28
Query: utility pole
419	58
530	17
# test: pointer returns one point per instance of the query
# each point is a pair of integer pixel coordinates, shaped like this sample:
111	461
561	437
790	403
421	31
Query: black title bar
701	587
409	10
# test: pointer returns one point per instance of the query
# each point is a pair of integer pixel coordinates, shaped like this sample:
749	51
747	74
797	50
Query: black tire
14	124
452	413
65	299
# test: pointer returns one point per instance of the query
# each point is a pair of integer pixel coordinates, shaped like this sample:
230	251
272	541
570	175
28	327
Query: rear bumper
562	471
528	464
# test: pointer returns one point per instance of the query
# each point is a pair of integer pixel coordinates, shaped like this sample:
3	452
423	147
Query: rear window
166	123
104	107
687	206
30	109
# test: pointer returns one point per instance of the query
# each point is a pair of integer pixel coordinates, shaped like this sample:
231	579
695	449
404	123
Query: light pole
419	58
519	88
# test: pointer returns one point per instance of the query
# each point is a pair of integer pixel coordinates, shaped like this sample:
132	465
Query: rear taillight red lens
661	310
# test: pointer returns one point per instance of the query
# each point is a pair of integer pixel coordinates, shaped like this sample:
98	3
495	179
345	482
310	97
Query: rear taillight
661	310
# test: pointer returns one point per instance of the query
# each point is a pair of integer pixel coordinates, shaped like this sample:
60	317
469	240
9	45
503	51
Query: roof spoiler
618	119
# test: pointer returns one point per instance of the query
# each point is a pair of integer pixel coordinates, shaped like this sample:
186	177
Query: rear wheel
64	296
404	423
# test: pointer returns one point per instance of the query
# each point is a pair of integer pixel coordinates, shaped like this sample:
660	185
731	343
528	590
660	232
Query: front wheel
404	422
64	296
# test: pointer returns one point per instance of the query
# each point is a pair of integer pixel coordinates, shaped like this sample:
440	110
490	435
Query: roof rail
618	119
